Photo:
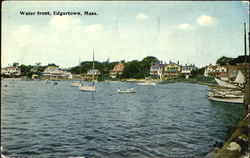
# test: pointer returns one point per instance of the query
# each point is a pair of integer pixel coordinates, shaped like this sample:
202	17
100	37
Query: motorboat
129	90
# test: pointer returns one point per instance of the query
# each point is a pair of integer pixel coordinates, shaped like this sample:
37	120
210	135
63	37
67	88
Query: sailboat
240	79
225	84
78	83
90	88
233	93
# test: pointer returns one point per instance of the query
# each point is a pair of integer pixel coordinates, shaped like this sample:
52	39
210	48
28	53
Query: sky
191	32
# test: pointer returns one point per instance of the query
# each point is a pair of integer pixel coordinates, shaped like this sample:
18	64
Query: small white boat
147	83
76	84
226	99
129	90
87	88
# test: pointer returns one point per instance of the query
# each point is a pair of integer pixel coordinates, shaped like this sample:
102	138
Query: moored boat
76	84
147	83
227	99
89	88
129	90
226	95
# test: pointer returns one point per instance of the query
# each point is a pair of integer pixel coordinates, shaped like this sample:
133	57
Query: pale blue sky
191	32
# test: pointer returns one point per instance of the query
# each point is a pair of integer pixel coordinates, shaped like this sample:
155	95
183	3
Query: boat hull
125	92
87	88
147	84
76	84
227	100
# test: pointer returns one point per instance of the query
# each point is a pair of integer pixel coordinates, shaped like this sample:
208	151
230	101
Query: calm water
171	121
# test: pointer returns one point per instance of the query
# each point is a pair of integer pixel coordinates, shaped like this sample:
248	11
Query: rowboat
129	90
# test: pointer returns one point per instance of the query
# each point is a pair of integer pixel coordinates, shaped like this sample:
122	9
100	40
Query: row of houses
224	72
51	72
171	70
157	70
227	72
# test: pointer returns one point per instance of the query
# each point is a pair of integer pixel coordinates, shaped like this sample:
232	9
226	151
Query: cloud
141	16
22	35
22	31
184	26
94	28
206	21
63	23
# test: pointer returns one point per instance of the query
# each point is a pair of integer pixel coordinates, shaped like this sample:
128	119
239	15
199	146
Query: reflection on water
171	120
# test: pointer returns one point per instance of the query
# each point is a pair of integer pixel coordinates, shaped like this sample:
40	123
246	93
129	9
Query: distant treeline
133	69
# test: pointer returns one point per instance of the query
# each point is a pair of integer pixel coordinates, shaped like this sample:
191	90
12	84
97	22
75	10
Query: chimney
169	61
178	62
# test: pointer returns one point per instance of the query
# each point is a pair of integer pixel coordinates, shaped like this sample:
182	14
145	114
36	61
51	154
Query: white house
221	69
53	72
96	72
187	69
11	70
156	70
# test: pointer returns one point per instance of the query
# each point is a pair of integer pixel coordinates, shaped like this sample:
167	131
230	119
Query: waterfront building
172	70
156	70
95	72
187	69
117	70
11	70
209	70
215	71
53	72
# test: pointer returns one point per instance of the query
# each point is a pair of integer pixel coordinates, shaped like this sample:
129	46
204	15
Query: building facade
187	69
117	70
157	69
171	70
53	72
11	70
95	72
215	71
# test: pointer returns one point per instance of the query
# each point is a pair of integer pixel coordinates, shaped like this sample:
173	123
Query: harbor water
175	120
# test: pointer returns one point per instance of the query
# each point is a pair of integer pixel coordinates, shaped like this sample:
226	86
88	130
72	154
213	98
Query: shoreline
236	146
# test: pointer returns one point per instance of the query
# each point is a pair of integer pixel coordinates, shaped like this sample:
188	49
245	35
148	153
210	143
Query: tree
26	70
197	72
150	59
15	64
52	64
223	60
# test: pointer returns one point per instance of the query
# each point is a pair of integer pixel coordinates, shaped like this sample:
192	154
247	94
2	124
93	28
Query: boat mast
80	71
93	76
